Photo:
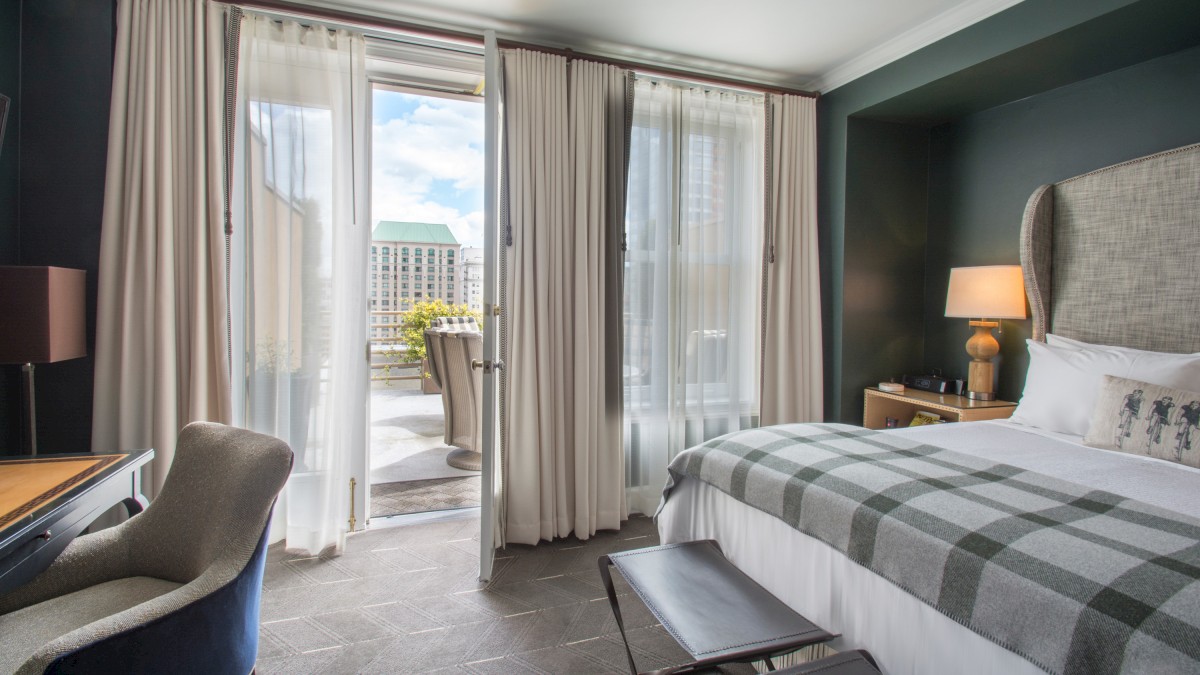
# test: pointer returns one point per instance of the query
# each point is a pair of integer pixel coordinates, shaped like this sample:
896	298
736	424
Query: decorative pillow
1062	382
1147	419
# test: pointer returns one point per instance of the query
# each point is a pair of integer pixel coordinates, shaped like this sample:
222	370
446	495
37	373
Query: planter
286	416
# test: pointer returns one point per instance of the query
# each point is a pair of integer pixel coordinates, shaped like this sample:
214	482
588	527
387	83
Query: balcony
408	469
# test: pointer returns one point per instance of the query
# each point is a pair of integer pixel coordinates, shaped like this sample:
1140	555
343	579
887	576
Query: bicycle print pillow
1146	419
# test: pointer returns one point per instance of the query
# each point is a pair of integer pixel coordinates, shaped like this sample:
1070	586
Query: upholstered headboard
1113	256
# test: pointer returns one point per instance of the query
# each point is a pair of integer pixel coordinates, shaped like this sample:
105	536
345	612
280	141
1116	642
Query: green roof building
411	263
425	233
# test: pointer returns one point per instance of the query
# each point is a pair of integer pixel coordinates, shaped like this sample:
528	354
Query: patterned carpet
419	496
406	600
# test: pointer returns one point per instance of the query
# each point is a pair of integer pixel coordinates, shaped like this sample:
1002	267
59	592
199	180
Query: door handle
487	366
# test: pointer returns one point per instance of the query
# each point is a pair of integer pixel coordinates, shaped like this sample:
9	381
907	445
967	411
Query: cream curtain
301	250
693	276
565	144
792	370
161	358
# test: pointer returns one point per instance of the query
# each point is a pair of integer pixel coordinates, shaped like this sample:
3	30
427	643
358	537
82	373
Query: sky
428	164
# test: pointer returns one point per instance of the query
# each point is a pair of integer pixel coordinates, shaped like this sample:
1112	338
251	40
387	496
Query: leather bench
711	608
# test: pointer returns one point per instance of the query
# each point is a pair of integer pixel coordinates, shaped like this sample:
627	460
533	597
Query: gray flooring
407	600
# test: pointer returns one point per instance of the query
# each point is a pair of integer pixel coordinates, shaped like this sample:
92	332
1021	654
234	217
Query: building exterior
410	263
472	279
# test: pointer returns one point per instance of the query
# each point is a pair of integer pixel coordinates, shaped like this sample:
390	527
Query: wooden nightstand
879	405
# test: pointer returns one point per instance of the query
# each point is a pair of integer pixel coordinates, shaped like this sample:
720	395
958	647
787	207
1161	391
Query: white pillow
1060	341
1063	382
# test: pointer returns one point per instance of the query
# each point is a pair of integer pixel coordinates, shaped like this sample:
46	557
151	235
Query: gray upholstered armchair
174	589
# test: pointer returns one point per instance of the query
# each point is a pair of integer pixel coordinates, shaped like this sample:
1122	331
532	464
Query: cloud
428	167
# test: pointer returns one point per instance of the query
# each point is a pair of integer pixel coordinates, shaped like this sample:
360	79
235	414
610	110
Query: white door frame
491	375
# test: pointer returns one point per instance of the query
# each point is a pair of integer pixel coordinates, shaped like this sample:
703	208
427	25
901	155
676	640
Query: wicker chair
450	354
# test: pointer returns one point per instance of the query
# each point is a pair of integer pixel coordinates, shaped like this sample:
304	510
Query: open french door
491	499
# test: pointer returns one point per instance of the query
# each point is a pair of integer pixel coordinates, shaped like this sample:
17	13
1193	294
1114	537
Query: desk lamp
41	321
983	293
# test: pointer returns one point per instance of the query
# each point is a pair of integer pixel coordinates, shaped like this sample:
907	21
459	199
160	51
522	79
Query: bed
1110	258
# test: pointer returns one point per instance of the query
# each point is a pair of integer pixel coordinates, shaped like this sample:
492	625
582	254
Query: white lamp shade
993	292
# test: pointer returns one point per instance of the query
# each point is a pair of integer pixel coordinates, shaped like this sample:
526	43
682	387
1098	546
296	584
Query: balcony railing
391	339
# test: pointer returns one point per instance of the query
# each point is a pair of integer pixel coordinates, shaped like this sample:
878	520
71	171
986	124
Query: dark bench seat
715	612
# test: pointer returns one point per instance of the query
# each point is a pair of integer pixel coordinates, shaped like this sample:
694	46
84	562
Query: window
404	251
404	294
417	269
403	285
430	253
691	339
404	268
429	286
403	277
385	250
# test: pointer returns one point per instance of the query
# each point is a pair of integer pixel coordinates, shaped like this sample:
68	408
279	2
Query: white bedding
905	634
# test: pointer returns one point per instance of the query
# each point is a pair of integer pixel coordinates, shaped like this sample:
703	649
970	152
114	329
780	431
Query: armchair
174	589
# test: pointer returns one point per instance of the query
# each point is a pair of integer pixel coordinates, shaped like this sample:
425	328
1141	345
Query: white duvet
906	635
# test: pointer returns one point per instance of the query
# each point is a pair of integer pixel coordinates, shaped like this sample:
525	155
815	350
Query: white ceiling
810	44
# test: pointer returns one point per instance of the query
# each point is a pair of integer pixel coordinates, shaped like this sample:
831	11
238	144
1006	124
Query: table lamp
43	321
983	293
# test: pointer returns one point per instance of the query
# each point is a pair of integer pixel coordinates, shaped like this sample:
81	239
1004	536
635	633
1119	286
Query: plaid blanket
1075	580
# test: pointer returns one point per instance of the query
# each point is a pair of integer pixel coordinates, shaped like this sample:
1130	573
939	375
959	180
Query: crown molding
942	25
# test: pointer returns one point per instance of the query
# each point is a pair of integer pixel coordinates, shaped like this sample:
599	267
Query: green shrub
416	320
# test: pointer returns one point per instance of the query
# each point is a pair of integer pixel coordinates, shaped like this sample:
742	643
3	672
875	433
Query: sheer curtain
693	275
301	246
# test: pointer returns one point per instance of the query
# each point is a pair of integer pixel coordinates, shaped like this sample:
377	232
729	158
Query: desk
46	501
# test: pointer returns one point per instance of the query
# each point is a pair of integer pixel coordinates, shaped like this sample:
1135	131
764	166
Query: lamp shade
993	292
42	310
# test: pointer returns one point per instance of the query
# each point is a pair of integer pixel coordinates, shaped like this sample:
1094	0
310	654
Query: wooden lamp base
981	371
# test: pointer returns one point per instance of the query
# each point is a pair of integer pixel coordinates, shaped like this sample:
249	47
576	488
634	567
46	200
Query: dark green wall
1032	48
984	167
886	195
10	86
65	77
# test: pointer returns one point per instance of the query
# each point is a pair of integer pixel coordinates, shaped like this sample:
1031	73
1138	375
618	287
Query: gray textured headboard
1113	256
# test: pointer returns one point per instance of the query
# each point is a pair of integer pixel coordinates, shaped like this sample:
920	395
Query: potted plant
281	395
412	335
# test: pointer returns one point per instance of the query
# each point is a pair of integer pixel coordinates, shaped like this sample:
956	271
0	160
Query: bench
711	608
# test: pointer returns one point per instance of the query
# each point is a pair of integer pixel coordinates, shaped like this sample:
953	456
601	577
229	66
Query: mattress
905	634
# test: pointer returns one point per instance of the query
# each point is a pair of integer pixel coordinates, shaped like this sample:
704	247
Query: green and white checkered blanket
1074	579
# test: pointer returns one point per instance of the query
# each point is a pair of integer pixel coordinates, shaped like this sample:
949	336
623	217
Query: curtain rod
418	29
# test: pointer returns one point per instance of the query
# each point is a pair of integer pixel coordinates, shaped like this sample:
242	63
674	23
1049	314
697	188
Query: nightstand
879	405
